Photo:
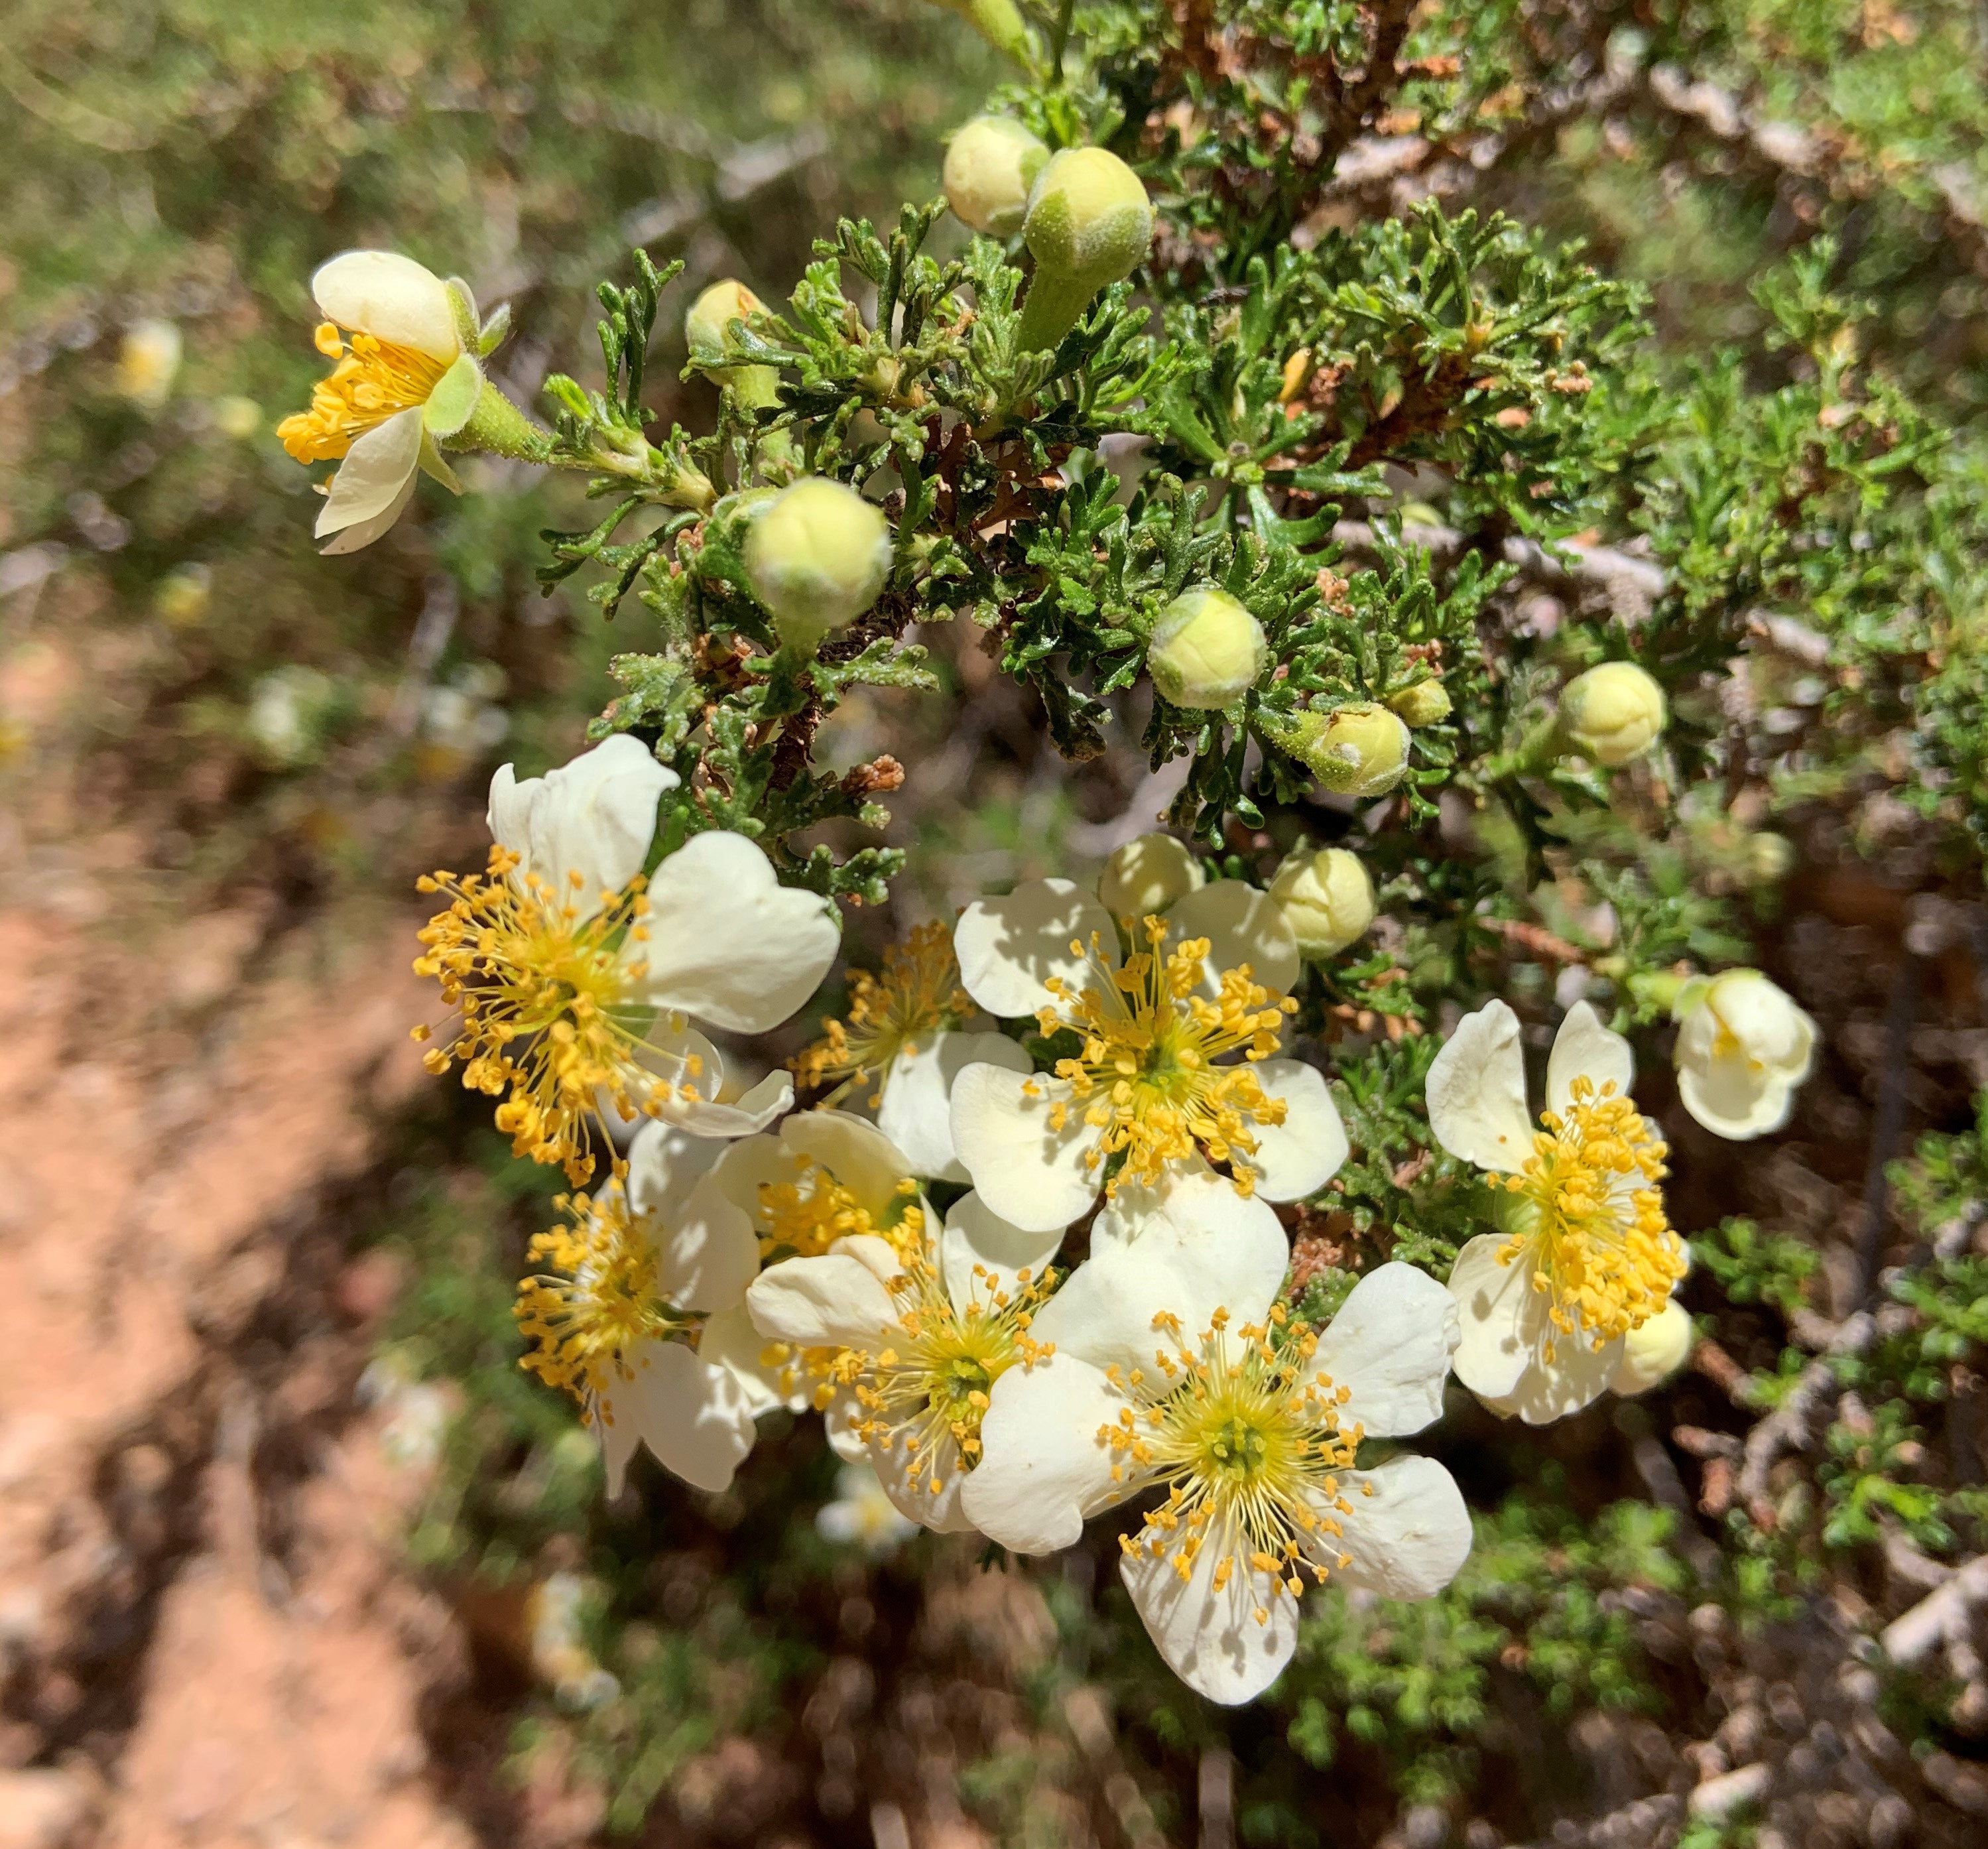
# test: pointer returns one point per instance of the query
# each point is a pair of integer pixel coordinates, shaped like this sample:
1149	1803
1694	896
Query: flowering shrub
1446	615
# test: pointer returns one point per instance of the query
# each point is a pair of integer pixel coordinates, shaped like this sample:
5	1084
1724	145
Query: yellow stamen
805	1216
1249	1446
551	1013
1598	1241
596	1300
372	380
1148	1075
916	993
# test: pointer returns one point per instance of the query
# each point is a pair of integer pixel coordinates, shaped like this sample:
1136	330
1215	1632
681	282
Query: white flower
900	1335
385	402
631	1309
576	975
1171	1366
1585	1255
904	1037
863	1515
1742	1047
1157	1082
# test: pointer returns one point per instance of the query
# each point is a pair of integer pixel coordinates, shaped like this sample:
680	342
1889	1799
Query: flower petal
664	1166
1408	1531
916	1113
1584	1048
1576	1377
857	1153
752	1162
834	1301
1499	1315
693	1416
912	1495
382	293
980	1253
1214	1641
378	474
1028	1174
689	1073
728	942
1242	925
1733	1102
708	1253
584	829
1197	1246
730	1341
362	533
1390	1345
1042	1467
1476	1092
1007	946
1299	1156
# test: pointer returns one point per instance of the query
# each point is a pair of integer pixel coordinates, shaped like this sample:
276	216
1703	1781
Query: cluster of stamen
550	1019
1247	1441
1603	1250
373	379
802	1217
919	1400
593	1300
916	993
1147	1076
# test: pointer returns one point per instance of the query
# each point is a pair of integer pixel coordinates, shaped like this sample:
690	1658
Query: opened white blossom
636	1308
1584	1254
575	976
1742	1048
1177	1067
1166	1363
900	1334
863	1515
904	1043
403	379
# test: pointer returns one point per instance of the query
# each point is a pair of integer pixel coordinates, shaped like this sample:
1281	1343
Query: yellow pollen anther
916	994
373	381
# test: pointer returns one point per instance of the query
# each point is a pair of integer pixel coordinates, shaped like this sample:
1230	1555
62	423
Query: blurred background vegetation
195	711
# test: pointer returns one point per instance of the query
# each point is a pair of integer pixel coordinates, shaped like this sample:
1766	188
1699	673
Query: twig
1943	1616
1790	1427
1891	1120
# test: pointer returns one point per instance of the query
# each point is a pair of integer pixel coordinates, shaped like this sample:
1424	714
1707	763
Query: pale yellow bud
817	557
237	416
1359	749
706	322
1654	1350
1743	1047
990	165
1326	896
1089	224
1426	703
1206	650
1612	713
1147	875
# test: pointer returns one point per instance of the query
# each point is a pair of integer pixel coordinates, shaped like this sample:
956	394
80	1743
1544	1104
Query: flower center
550	1019
372	380
923	1400
916	993
1602	1249
1249	1448
1147	1076
804	1217
596	1300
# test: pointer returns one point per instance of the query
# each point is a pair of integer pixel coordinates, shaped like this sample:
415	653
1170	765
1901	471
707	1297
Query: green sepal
433	465
494	331
454	397
462	306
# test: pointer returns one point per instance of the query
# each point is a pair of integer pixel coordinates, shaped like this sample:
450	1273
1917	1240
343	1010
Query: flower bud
1426	703
1147	875
990	165
148	362
1327	899
1654	1350
709	317
817	557
1359	749
1612	713
1089	224
1742	1047
1206	650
